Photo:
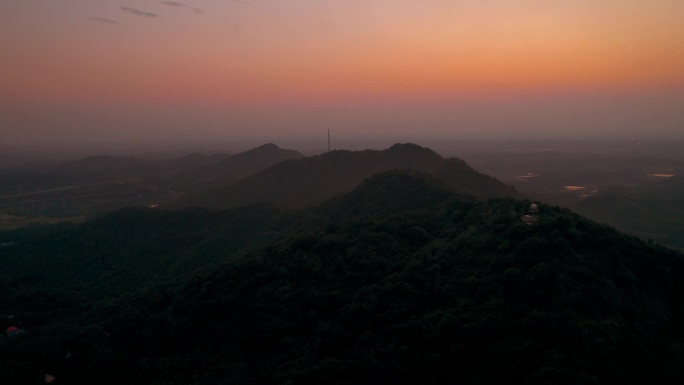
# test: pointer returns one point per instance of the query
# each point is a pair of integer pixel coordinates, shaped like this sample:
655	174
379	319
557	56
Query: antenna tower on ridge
328	140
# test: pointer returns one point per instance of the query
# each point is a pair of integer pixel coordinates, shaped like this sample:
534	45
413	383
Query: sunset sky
234	69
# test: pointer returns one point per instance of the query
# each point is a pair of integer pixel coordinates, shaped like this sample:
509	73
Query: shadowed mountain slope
126	251
389	192
244	164
398	281
131	181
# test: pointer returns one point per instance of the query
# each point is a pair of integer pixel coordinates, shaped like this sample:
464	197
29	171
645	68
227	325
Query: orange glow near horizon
498	50
394	72
325	52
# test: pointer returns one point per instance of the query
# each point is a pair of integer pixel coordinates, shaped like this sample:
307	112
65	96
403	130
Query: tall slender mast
328	140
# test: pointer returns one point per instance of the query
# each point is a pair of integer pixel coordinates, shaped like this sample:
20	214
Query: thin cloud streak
137	12
173	4
181	5
103	20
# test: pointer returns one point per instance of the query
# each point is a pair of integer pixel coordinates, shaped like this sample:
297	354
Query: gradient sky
239	69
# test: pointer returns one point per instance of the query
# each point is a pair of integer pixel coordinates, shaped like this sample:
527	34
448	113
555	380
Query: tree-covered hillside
399	281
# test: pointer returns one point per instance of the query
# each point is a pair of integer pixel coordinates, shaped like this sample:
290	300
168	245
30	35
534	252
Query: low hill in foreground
313	180
444	288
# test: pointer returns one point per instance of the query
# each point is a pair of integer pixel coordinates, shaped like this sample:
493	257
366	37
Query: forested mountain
313	180
653	211
402	280
636	186
128	250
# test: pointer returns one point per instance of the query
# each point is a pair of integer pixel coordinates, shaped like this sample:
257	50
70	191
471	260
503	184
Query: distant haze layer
78	69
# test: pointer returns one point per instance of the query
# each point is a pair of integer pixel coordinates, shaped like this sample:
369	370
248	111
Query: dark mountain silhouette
178	173
243	164
400	280
459	175
312	180
389	192
128	250
107	183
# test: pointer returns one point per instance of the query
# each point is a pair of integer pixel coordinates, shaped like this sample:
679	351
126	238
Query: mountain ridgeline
50	191
247	163
189	169
405	278
310	181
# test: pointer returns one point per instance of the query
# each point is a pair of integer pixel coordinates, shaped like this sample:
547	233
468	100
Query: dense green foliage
399	281
68	266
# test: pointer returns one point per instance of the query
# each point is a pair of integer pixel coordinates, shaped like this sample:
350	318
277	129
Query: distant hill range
388	192
242	164
191	172
39	176
308	181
